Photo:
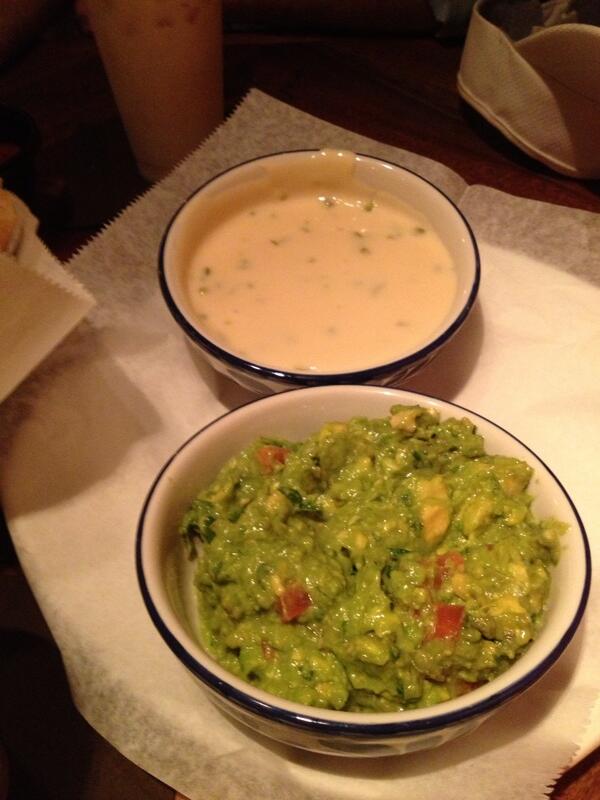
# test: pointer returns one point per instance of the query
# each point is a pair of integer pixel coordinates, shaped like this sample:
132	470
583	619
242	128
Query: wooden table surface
399	90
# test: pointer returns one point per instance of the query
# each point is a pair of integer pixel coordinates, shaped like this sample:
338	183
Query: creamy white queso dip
310	270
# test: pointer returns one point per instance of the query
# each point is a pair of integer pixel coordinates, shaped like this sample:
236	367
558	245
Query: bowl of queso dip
318	267
359	570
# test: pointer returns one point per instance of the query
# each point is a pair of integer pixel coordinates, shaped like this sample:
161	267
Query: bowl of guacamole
359	570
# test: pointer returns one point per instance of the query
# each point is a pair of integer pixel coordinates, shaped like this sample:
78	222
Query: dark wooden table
399	90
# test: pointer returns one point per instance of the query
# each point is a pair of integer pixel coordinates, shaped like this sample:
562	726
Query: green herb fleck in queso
382	564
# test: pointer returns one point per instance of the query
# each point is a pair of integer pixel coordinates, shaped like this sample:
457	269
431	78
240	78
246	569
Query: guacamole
379	565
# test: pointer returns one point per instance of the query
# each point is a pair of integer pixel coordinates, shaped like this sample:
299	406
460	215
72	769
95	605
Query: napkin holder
40	302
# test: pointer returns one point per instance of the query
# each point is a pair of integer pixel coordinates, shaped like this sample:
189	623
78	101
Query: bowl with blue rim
317	267
167	579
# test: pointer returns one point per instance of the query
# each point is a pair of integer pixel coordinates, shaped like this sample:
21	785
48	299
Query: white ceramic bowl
165	578
184	232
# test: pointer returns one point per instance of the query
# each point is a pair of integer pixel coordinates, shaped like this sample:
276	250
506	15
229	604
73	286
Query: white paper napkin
125	390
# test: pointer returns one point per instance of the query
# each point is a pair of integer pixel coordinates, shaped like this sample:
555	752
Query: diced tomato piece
293	601
448	620
464	687
271	454
447	564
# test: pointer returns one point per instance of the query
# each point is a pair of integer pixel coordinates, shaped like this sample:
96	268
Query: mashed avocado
381	564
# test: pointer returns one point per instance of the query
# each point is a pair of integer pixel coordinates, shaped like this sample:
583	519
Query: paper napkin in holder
39	301
532	69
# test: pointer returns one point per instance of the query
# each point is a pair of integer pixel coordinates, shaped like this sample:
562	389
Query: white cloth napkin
85	437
